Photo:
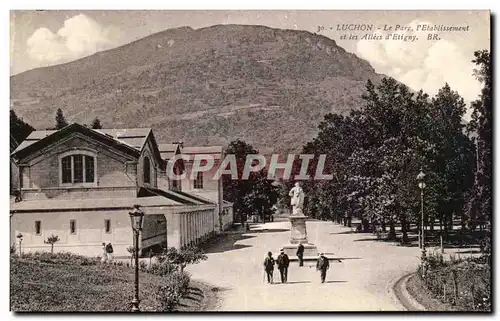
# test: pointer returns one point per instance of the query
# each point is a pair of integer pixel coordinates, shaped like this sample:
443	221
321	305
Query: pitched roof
135	137
180	197
202	150
167	151
214	151
89	204
13	143
39	139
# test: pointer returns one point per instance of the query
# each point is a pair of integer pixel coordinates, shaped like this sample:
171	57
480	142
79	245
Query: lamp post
136	216
421	184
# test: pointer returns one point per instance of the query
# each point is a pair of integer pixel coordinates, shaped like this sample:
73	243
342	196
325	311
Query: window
38	227
72	227
147	170
77	168
107	226
198	182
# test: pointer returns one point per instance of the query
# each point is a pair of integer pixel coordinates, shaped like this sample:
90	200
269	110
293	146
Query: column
197	213
189	227
181	231
185	230
204	225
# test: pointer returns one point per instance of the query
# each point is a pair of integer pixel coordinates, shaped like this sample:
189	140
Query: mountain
269	87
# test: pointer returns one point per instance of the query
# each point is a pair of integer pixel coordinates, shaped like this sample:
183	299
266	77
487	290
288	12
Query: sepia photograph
250	161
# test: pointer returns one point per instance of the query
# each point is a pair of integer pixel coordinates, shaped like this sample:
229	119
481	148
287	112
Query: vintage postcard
221	161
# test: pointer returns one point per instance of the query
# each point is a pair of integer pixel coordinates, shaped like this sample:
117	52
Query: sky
43	38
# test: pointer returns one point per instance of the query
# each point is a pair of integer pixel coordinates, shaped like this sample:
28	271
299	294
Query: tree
376	152
249	196
60	120
452	155
96	124
53	239
479	205
19	129
183	257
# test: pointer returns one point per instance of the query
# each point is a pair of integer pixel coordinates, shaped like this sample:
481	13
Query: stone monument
298	230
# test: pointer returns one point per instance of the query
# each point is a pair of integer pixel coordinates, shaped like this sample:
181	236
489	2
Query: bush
60	258
169	295
465	283
187	255
162	268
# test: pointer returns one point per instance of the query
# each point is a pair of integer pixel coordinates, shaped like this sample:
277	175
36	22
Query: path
362	282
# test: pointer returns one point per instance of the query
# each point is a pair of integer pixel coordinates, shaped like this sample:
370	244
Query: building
13	168
204	184
80	184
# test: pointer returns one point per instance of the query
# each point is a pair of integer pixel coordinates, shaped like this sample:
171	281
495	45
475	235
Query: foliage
181	258
96	124
464	282
60	258
169	295
53	239
376	152
47	282
479	206
19	129
255	195
60	119
162	268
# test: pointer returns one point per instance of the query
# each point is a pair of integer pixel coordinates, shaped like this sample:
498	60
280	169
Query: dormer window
78	168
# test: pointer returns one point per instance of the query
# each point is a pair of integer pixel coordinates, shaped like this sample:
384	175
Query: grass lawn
38	286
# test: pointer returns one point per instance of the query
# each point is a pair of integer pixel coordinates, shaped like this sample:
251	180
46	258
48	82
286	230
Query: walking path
363	281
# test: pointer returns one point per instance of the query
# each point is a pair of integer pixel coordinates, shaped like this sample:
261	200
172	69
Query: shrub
162	268
465	283
60	258
176	287
187	255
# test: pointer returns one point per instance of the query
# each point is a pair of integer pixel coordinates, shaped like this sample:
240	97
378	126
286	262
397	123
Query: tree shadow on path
226	242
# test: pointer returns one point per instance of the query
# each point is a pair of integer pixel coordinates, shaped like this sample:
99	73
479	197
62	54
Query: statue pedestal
298	235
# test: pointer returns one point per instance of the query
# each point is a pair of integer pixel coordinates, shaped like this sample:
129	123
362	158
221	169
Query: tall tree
96	124
452	155
19	129
255	195
60	119
480	202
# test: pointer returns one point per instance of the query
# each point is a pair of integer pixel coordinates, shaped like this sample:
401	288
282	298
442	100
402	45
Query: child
104	254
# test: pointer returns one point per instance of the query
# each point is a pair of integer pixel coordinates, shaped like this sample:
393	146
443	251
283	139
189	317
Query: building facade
80	184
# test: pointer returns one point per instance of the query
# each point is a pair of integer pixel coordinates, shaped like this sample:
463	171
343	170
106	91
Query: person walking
300	254
283	263
109	252
322	265
269	267
104	254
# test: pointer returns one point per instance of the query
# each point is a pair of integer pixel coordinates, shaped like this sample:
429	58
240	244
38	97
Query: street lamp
421	184
136	216
20	237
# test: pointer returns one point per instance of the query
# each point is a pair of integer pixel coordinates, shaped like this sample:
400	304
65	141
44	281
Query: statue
297	201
